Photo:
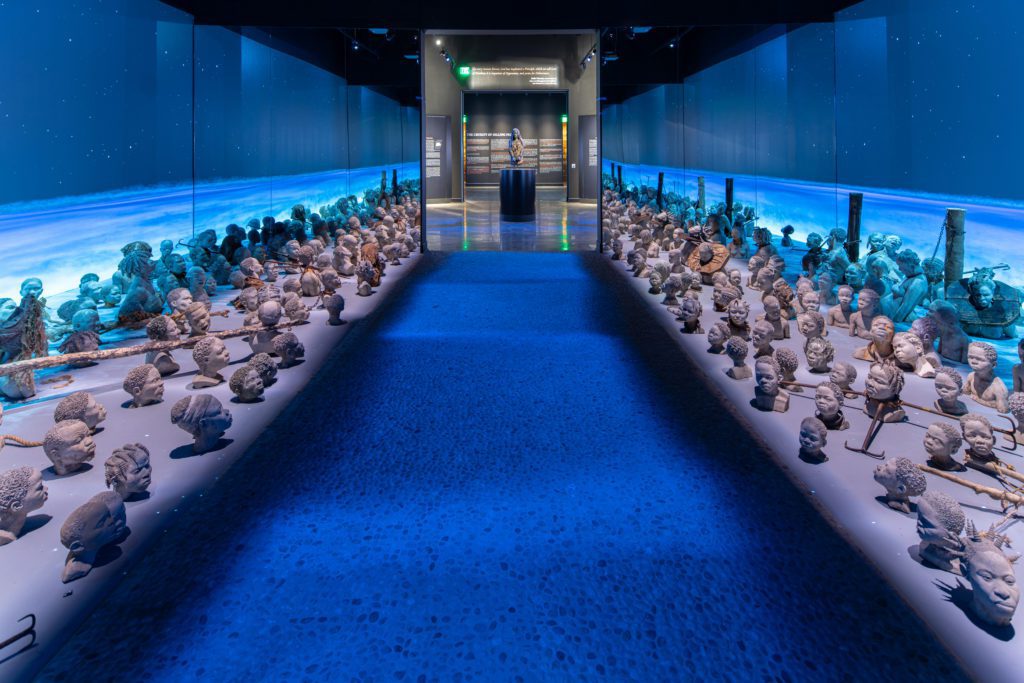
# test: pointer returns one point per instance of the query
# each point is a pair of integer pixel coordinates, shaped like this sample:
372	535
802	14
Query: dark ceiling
680	37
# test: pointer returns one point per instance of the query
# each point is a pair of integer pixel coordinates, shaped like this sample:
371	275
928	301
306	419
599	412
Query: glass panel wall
137	125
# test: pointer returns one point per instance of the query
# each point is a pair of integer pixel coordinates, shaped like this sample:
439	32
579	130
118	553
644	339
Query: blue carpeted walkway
505	479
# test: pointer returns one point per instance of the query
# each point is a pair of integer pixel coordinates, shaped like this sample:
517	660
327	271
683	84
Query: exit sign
465	70
565	118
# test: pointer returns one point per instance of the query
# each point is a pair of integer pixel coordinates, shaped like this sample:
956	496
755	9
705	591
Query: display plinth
518	194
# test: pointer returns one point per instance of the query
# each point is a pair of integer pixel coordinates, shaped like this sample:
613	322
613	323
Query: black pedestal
518	194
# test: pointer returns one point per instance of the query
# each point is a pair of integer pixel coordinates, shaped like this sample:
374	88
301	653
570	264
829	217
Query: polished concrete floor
476	225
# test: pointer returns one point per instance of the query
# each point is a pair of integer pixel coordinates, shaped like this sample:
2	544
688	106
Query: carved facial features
877	384
811	439
825	402
946	388
995	589
767	379
980	438
937	443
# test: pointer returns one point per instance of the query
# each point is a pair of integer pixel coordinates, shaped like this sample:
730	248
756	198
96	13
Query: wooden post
700	192
729	199
620	177
956	225
661	186
383	182
394	182
853	226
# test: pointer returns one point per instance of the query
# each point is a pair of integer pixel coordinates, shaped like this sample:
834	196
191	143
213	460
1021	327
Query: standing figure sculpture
23	336
515	147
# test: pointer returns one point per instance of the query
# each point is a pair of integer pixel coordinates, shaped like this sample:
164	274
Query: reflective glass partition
132	123
96	133
763	117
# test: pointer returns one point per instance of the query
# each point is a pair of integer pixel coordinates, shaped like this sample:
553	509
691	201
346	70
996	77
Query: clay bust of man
81	405
773	314
828	406
901	480
949	385
145	385
162	328
128	471
97	523
179	299
908	352
269	313
736	349
246	384
844	375
69	445
211	356
982	384
768	392
717	336
881	335
788	363
977	432
940	519
819	353
867	309
994	590
21	492
809	300
840	315
288	347
941	442
813	438
761	335
953	342
883	386
1016	405
265	366
204	418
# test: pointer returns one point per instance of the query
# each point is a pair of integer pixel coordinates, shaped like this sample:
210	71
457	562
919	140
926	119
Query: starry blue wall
93	96
99	100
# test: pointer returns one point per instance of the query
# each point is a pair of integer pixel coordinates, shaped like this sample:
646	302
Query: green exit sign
465	70
565	118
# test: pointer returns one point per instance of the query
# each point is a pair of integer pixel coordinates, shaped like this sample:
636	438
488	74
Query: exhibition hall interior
537	343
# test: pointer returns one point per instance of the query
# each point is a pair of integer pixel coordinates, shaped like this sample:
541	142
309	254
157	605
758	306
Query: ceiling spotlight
437	42
355	46
671	44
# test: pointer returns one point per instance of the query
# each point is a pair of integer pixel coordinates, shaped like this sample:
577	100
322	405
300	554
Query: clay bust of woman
204	418
737	319
909	354
819	352
982	384
773	314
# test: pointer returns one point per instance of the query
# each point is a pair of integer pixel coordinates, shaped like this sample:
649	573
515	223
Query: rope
17	440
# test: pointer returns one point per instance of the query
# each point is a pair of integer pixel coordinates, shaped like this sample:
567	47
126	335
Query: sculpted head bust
901	480
21	492
98	523
69	445
995	593
128	471
204	418
81	405
246	384
289	348
145	385
211	356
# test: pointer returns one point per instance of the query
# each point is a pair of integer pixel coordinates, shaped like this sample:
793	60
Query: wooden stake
853	226
994	493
